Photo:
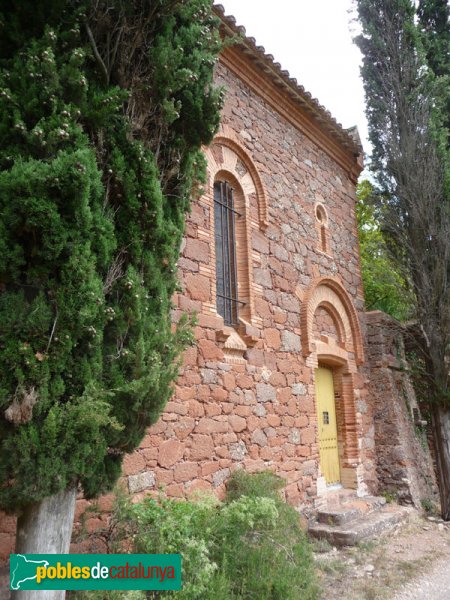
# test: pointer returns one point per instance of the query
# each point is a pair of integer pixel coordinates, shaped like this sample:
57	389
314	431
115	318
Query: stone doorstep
336	498
337	516
360	526
342	509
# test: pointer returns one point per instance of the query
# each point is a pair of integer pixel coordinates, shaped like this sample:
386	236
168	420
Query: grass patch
334	566
321	546
370	591
430	507
367	546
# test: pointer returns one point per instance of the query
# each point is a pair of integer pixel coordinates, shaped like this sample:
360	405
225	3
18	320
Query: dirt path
412	563
431	586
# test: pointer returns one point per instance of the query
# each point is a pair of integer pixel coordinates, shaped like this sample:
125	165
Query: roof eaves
296	91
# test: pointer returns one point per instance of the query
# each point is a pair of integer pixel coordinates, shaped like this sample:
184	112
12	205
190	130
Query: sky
312	39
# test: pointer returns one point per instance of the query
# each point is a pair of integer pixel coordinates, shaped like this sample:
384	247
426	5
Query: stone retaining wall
404	464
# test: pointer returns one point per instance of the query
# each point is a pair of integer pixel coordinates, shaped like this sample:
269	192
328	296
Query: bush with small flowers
99	155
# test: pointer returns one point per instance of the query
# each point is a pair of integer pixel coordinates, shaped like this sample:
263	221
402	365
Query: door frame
337	416
347	424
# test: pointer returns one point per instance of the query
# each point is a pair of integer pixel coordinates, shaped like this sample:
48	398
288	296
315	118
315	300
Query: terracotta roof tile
345	136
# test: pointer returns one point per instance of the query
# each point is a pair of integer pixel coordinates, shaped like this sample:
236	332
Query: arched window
225	215
322	227
237	210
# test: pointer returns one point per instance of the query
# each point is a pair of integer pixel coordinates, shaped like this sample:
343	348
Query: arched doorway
332	345
327	426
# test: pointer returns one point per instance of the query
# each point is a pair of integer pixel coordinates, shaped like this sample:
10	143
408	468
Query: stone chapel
288	372
270	265
280	375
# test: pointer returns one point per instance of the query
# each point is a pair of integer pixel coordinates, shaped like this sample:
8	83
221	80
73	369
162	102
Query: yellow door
326	415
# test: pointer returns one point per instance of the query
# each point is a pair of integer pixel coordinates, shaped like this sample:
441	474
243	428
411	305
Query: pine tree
103	109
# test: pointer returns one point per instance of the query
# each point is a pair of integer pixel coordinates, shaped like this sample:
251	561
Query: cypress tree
103	109
433	21
407	93
433	18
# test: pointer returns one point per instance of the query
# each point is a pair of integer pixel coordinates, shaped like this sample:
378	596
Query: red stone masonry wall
258	413
246	397
403	460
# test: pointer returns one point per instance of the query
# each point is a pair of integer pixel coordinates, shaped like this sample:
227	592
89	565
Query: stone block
210	350
273	338
294	436
238	451
143	481
176	407
299	389
290	342
197	250
207	425
208	376
170	452
220	477
259	437
202	447
265	392
237	423
186	471
133	463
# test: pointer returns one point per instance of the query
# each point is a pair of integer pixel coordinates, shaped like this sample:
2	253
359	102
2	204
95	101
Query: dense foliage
406	108
103	108
433	22
249	547
384	287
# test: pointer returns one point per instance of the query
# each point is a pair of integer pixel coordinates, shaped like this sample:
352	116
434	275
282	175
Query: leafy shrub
250	547
272	562
429	506
258	485
389	495
108	595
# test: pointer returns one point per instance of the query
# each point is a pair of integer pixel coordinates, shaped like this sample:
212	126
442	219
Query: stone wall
245	397
7	535
404	464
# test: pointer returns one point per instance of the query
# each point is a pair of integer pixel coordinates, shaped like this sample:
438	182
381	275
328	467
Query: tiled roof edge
346	137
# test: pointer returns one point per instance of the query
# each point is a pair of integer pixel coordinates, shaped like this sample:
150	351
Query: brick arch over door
329	292
342	327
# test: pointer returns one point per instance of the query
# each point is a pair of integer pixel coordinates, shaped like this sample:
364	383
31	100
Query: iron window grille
226	266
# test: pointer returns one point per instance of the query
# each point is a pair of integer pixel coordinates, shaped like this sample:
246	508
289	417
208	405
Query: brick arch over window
329	292
322	228
224	154
228	162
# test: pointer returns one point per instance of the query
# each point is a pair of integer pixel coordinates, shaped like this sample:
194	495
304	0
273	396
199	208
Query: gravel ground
410	563
432	586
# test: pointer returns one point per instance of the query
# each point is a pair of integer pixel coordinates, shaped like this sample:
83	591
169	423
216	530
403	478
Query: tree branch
98	58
